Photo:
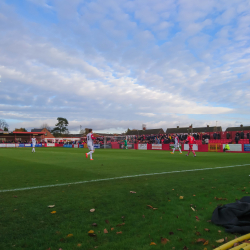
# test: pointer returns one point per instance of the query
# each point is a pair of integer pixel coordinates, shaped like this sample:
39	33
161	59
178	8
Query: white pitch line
115	178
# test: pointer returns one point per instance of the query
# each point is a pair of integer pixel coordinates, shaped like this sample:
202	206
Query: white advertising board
142	146
195	147
10	145
157	146
75	145
234	147
2	145
50	144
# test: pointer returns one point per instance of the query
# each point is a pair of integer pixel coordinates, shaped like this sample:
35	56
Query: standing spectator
218	136
242	135
215	135
247	135
237	139
228	135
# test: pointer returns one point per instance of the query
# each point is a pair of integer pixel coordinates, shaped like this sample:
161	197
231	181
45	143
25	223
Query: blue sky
116	64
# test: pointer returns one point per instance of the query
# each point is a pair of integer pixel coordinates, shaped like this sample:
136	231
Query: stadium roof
146	132
194	130
36	130
241	128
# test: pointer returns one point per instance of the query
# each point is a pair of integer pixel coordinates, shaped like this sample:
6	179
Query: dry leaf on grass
154	208
107	221
132	192
91	231
79	244
53	212
197	233
193	209
170	233
51	206
197	218
119	225
185	248
164	241
220	241
69	235
150	206
92	210
179	229
206	229
119	232
200	240
105	231
206	243
219	231
94	224
152	243
181	197
112	228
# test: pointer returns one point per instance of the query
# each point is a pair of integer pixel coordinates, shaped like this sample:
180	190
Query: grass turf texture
27	223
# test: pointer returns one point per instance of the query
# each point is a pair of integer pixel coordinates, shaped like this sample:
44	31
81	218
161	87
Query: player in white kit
90	143
176	144
33	140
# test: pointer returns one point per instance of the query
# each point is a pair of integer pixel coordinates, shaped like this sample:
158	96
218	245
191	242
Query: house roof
146	132
177	130
241	128
194	130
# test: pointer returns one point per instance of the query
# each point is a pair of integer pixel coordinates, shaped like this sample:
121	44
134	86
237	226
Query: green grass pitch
26	221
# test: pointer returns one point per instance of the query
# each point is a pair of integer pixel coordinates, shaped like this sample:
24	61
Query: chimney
241	125
178	127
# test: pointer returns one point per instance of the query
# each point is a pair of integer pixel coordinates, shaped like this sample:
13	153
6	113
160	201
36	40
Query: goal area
118	141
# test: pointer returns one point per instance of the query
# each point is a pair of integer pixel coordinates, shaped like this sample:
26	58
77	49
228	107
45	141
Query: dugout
20	137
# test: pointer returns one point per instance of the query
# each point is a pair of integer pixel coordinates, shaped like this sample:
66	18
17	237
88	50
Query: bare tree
45	125
4	125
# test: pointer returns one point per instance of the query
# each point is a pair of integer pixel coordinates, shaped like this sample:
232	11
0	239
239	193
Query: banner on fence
246	147
97	146
21	145
67	145
27	145
11	145
75	145
234	147
80	145
50	144
195	147
131	146
142	146
157	146
39	145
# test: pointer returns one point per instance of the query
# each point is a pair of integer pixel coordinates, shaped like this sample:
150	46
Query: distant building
241	128
190	129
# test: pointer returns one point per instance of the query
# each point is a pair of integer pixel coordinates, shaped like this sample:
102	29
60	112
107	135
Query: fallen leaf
14	196
62	239
119	232
49	248
185	248
107	221
69	235
194	195
220	241
208	220
206	229
143	216
92	210
179	229
57	232
53	212
197	218
181	197
193	209
105	231
197	233
112	228
170	233
152	243
60	249
206	243
205	248
51	205
219	231
150	206
164	241
226	239
94	224
90	231
79	244
132	192
123	217
155	208
173	189
201	240
119	225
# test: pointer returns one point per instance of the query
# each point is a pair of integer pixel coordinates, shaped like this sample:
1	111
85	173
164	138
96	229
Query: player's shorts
91	147
177	146
33	145
190	146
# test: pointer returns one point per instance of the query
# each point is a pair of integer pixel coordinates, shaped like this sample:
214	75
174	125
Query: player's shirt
191	140
90	139
176	140
33	140
125	142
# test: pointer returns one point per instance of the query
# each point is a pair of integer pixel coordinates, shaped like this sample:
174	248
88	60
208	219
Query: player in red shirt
191	141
